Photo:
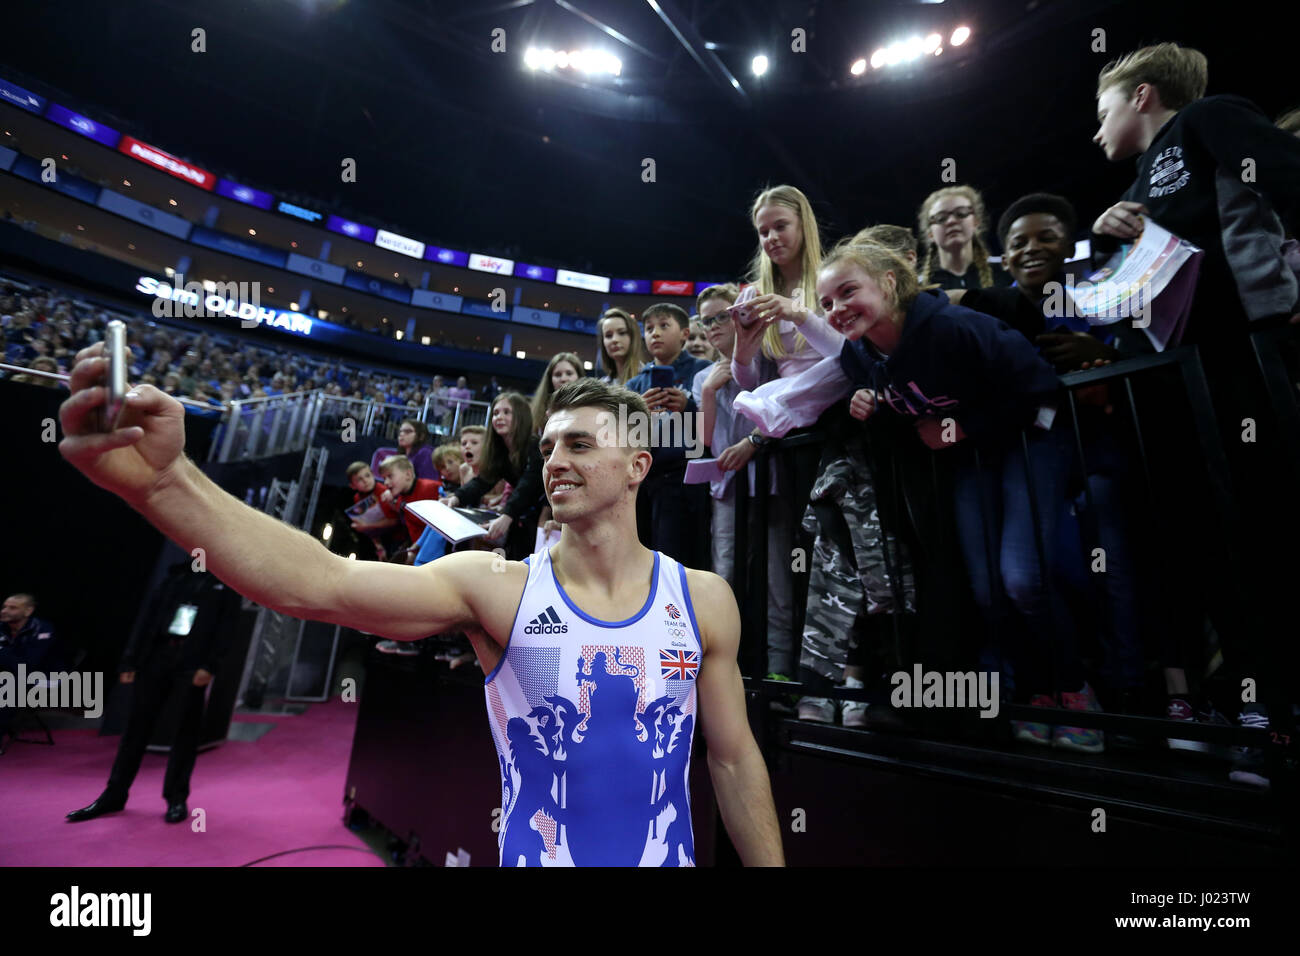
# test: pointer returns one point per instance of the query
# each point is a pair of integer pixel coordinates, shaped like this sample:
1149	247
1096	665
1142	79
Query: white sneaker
819	710
853	713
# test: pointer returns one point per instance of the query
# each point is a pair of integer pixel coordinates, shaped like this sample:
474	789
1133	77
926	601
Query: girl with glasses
951	224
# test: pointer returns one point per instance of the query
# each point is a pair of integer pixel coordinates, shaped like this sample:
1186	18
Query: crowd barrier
915	490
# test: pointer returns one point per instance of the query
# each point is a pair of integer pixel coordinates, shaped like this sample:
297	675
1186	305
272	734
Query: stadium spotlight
587	365
959	36
859	67
588	61
521	354
932	42
760	65
878	59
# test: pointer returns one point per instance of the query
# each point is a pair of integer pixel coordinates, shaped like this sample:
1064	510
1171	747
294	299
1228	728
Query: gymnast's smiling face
589	468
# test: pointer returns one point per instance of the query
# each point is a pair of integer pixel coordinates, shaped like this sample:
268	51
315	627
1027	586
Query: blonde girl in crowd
787	328
788	333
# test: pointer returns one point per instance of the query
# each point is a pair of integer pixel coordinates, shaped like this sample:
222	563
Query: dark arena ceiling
462	146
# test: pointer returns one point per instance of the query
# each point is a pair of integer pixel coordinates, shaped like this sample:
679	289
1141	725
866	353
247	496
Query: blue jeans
996	529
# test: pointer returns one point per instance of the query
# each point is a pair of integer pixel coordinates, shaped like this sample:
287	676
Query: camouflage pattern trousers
854	562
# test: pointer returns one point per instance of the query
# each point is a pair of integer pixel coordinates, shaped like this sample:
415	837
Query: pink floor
282	792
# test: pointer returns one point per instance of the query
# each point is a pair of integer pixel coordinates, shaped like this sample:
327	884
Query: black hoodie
954	362
1220	175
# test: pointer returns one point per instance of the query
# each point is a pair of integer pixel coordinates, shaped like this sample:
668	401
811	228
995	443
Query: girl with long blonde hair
780	297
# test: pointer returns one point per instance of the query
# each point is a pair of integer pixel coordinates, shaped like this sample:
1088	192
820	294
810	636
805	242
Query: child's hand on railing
863	404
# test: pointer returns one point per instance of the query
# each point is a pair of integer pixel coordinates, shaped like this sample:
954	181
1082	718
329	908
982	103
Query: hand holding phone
661	376
115	376
743	315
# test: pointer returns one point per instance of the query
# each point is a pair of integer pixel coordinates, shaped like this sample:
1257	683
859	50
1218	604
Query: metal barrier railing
277	424
450	415
258	427
1197	407
64	378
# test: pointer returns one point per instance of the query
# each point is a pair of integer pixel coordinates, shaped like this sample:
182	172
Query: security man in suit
174	653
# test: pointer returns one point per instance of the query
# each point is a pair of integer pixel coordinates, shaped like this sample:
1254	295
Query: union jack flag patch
678	665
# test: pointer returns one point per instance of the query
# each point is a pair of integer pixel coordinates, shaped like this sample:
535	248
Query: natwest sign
672	287
491	264
395	243
167	163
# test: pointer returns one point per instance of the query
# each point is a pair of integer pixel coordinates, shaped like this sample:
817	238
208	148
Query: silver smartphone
115	377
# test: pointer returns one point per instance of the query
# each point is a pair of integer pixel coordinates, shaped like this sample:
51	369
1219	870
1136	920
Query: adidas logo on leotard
548	622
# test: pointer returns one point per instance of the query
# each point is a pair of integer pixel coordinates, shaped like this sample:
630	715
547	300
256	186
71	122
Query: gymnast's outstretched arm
143	462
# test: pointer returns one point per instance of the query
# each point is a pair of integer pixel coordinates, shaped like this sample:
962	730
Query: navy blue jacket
685	368
35	645
1192	179
954	362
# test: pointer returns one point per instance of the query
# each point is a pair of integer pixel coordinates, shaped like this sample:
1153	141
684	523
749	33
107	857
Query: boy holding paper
1215	172
1212	170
